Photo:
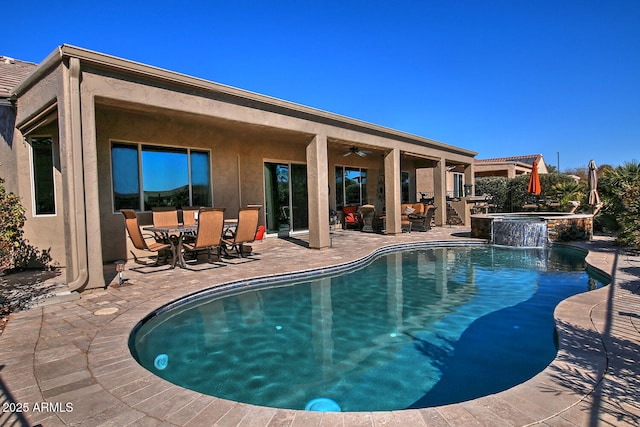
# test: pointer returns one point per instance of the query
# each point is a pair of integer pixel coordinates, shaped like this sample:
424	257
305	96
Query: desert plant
15	251
11	221
619	189
569	190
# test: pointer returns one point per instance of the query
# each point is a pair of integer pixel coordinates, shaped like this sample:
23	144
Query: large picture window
148	176
43	185
351	186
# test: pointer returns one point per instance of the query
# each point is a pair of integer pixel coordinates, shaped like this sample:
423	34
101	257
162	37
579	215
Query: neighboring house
12	72
96	133
509	167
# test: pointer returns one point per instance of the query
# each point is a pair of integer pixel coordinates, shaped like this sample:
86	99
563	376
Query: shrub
629	234
497	187
619	190
510	194
15	251
570	190
11	221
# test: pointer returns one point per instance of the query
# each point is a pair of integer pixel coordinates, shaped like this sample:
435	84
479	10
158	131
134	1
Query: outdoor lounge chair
418	215
352	217
422	222
138	240
245	231
209	234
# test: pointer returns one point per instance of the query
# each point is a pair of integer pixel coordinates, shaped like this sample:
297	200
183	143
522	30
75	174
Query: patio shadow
12	411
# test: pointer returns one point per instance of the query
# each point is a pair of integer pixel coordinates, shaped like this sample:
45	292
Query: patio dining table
174	234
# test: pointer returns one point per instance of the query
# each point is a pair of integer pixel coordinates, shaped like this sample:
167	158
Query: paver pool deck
69	364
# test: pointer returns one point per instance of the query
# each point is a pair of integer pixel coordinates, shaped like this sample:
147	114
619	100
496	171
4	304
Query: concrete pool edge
118	387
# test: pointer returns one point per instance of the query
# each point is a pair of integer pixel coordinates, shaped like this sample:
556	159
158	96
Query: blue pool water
410	329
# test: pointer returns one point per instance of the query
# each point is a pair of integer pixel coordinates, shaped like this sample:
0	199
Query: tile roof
12	72
528	159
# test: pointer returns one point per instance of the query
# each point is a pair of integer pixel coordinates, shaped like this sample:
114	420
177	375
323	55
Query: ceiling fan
356	150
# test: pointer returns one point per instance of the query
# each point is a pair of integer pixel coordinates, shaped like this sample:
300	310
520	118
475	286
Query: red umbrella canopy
534	180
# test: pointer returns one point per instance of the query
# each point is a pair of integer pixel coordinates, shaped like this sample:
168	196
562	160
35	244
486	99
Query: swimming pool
415	328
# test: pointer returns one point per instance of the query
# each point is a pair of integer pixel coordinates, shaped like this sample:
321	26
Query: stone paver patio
69	364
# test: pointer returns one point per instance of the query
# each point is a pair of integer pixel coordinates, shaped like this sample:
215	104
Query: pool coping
122	392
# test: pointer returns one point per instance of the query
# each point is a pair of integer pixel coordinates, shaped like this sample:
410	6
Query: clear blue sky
504	77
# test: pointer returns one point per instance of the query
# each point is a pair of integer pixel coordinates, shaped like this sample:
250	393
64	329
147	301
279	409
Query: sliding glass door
286	197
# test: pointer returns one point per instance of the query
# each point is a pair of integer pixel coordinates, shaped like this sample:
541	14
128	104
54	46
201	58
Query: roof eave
173	77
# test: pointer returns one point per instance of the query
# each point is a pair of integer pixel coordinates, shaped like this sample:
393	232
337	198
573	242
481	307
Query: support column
91	196
71	163
392	191
440	192
318	192
469	178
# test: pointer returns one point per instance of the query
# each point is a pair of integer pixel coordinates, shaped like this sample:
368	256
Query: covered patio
128	135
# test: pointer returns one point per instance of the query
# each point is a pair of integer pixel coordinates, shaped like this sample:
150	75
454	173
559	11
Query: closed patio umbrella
592	181
534	180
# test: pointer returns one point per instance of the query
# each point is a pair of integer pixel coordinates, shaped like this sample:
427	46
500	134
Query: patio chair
165	216
189	215
209	234
137	238
368	213
352	217
422	222
245	231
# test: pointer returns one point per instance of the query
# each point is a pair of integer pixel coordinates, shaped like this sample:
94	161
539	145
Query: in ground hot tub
531	229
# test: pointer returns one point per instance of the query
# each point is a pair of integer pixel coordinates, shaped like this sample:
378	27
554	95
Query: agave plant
569	190
620	189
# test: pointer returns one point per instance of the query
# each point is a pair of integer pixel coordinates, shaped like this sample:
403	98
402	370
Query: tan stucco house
96	133
509	167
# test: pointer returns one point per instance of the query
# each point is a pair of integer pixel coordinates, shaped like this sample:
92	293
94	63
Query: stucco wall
230	149
45	232
231	154
8	165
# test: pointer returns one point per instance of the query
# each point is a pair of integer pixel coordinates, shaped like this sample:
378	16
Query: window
458	189
286	197
126	188
159	176
43	185
404	186
351	186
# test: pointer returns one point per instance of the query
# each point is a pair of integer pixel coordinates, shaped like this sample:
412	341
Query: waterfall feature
531	233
